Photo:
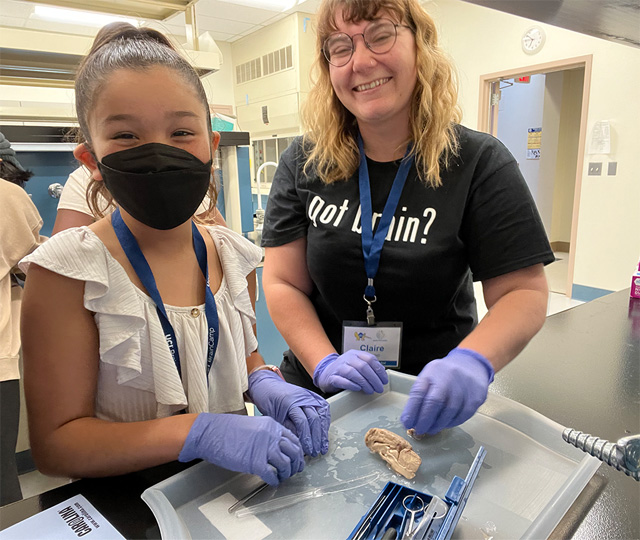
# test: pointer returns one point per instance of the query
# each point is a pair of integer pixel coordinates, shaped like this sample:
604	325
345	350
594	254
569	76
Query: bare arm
255	358
287	286
517	305
60	351
66	219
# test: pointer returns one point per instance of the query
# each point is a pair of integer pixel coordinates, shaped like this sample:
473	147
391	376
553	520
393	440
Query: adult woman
383	142
144	314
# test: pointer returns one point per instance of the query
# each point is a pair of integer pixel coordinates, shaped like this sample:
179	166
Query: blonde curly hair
331	130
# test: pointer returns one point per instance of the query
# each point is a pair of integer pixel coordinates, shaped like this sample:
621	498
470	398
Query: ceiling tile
222	36
221	24
171	29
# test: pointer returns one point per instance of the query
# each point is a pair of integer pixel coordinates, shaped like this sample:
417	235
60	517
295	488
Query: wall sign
534	141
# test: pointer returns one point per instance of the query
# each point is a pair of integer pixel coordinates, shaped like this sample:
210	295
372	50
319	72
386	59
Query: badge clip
371	320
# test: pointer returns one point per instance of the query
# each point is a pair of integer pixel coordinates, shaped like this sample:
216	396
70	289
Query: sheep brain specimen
395	450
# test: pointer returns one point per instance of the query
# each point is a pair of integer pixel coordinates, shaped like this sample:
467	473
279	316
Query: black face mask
159	185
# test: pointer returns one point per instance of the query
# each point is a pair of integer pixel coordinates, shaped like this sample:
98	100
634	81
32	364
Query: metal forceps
247	497
412	505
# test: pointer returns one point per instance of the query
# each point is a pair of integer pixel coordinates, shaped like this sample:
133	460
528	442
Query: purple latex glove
251	444
448	392
353	370
304	412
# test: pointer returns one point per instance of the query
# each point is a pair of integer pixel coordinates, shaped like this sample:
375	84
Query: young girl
145	314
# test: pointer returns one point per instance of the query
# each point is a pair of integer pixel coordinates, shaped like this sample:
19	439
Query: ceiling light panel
270	5
139	9
76	16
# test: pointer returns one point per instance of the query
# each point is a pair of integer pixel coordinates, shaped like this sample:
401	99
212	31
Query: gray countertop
583	371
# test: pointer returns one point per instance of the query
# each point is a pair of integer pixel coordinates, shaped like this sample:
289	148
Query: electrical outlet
595	169
612	168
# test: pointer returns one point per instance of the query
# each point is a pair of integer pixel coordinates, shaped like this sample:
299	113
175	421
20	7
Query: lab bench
582	370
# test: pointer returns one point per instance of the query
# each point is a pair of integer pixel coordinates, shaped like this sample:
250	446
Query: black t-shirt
481	223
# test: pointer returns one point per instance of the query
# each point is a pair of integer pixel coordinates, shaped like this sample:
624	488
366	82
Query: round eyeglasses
379	37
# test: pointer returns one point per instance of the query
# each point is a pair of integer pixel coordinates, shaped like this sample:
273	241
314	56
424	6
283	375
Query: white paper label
231	526
73	518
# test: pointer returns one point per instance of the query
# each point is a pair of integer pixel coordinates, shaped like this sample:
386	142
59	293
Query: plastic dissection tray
528	480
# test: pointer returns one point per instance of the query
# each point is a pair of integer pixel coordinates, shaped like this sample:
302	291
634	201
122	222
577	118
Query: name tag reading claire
383	340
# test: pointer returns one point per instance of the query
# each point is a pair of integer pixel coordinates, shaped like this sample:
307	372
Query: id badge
383	340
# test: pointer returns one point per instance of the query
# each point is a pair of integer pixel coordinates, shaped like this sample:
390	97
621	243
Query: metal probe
623	455
367	521
247	497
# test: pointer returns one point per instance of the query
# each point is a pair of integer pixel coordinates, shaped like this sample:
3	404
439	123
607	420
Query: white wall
482	41
219	85
280	91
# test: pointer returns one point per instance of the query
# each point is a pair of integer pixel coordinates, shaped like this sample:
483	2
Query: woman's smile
377	88
371	85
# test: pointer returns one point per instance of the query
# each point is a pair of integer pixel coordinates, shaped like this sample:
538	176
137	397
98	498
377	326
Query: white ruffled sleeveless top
138	379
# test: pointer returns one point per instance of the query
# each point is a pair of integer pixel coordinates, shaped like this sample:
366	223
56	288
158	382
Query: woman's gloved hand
448	392
304	412
353	370
251	444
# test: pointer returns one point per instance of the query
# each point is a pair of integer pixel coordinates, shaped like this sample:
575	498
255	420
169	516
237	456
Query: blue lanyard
372	243
141	267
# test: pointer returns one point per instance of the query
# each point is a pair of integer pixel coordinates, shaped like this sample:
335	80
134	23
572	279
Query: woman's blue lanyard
141	267
372	243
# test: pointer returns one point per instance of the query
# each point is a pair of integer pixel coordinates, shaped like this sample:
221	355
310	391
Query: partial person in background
20	225
73	206
139	329
74	209
385	212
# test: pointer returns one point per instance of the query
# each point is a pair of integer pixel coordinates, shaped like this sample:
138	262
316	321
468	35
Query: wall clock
533	40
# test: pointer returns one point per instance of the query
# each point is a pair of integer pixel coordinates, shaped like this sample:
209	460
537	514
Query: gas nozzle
623	455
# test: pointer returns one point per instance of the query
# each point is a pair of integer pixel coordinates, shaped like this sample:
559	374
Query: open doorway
539	113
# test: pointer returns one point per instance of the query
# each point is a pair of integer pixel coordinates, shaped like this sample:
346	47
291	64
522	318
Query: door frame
487	122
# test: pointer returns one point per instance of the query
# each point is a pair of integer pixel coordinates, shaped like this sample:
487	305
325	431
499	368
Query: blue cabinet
48	168
270	343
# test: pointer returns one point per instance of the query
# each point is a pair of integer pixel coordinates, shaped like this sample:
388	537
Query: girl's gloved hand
304	412
353	370
251	444
448	392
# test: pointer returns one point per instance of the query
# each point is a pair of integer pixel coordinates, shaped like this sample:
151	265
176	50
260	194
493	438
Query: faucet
260	211
623	455
55	190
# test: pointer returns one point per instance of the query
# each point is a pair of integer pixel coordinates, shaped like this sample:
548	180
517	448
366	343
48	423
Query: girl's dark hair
11	173
123	46
118	46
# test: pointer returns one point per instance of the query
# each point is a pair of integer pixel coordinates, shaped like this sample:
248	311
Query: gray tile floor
34	483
